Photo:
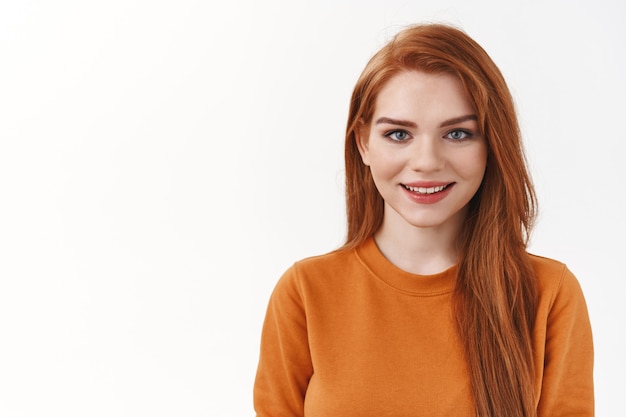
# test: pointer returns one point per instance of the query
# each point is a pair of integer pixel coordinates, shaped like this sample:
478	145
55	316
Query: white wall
162	163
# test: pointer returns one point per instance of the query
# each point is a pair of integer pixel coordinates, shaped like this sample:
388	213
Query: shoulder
317	271
331	262
563	342
548	271
555	280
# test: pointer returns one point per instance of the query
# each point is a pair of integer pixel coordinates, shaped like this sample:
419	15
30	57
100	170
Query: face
425	152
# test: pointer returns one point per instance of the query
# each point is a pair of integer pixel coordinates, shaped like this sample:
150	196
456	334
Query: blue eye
458	135
397	135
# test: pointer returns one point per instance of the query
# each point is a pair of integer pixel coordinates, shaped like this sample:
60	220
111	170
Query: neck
419	250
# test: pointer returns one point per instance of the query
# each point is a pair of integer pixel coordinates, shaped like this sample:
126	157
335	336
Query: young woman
432	307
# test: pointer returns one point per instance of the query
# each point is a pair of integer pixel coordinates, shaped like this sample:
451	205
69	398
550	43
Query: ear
361	136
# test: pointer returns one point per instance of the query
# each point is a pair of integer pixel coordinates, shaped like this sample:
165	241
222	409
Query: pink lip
428	198
426	184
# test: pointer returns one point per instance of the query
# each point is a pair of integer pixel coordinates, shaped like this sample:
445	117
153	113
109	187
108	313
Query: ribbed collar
422	285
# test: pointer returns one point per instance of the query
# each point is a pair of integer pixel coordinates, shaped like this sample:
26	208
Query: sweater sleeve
285	365
567	388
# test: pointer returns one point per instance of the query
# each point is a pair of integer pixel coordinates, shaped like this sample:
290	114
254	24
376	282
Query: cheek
473	165
386	158
384	166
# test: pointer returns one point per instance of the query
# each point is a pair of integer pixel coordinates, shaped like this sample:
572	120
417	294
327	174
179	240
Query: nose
426	155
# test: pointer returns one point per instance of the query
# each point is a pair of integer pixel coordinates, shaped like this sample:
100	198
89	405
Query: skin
423	133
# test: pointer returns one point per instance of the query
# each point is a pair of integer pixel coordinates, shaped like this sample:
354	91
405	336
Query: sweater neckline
372	258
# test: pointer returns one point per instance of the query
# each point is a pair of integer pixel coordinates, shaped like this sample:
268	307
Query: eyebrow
457	120
406	123
390	121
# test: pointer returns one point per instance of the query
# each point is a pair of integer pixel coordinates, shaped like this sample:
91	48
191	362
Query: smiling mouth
426	190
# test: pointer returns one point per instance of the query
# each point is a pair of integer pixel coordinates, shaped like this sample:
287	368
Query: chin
435	219
425	224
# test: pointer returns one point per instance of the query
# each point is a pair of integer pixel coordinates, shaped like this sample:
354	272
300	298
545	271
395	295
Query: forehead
410	94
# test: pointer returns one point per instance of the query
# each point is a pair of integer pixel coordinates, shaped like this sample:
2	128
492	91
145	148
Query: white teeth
424	190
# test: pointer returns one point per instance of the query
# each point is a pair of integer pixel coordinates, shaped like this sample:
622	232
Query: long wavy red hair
496	294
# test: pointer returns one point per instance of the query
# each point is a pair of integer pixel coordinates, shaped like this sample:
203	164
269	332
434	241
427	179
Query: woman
433	307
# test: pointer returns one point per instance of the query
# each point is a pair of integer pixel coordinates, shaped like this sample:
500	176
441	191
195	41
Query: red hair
496	294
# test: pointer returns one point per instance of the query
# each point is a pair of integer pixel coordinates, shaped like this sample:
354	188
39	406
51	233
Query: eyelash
391	133
466	135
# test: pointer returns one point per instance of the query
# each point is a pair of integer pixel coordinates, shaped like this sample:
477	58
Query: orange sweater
348	334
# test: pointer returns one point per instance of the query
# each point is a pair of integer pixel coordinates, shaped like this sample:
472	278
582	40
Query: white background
163	162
